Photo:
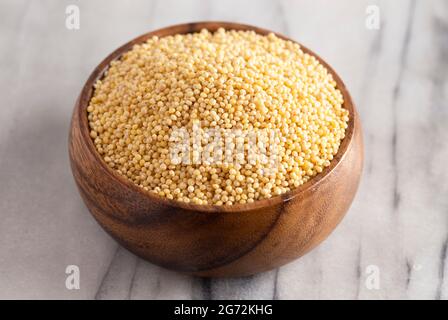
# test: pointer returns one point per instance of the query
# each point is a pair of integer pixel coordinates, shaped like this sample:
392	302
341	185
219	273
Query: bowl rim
192	27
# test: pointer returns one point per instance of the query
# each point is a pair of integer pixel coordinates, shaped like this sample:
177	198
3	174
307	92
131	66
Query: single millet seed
227	80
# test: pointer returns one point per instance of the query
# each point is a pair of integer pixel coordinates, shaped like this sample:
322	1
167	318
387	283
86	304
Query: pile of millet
227	80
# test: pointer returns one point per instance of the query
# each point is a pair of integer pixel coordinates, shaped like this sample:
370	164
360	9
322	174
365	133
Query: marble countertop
396	230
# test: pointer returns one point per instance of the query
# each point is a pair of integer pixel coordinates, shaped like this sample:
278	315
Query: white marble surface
398	76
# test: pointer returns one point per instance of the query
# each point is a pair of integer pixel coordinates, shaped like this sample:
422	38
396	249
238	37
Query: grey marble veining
398	223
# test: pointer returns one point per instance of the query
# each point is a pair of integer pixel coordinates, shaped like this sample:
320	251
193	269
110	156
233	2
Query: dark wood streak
443	258
282	14
358	272
209	240
438	115
395	96
409	266
132	283
207	290
103	280
231	258
275	294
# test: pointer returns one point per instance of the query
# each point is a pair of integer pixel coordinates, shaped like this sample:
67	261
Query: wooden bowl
209	240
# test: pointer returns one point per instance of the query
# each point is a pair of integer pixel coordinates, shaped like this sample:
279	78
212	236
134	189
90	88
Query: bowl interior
100	70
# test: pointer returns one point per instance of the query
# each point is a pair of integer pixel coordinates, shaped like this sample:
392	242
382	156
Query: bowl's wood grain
209	240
